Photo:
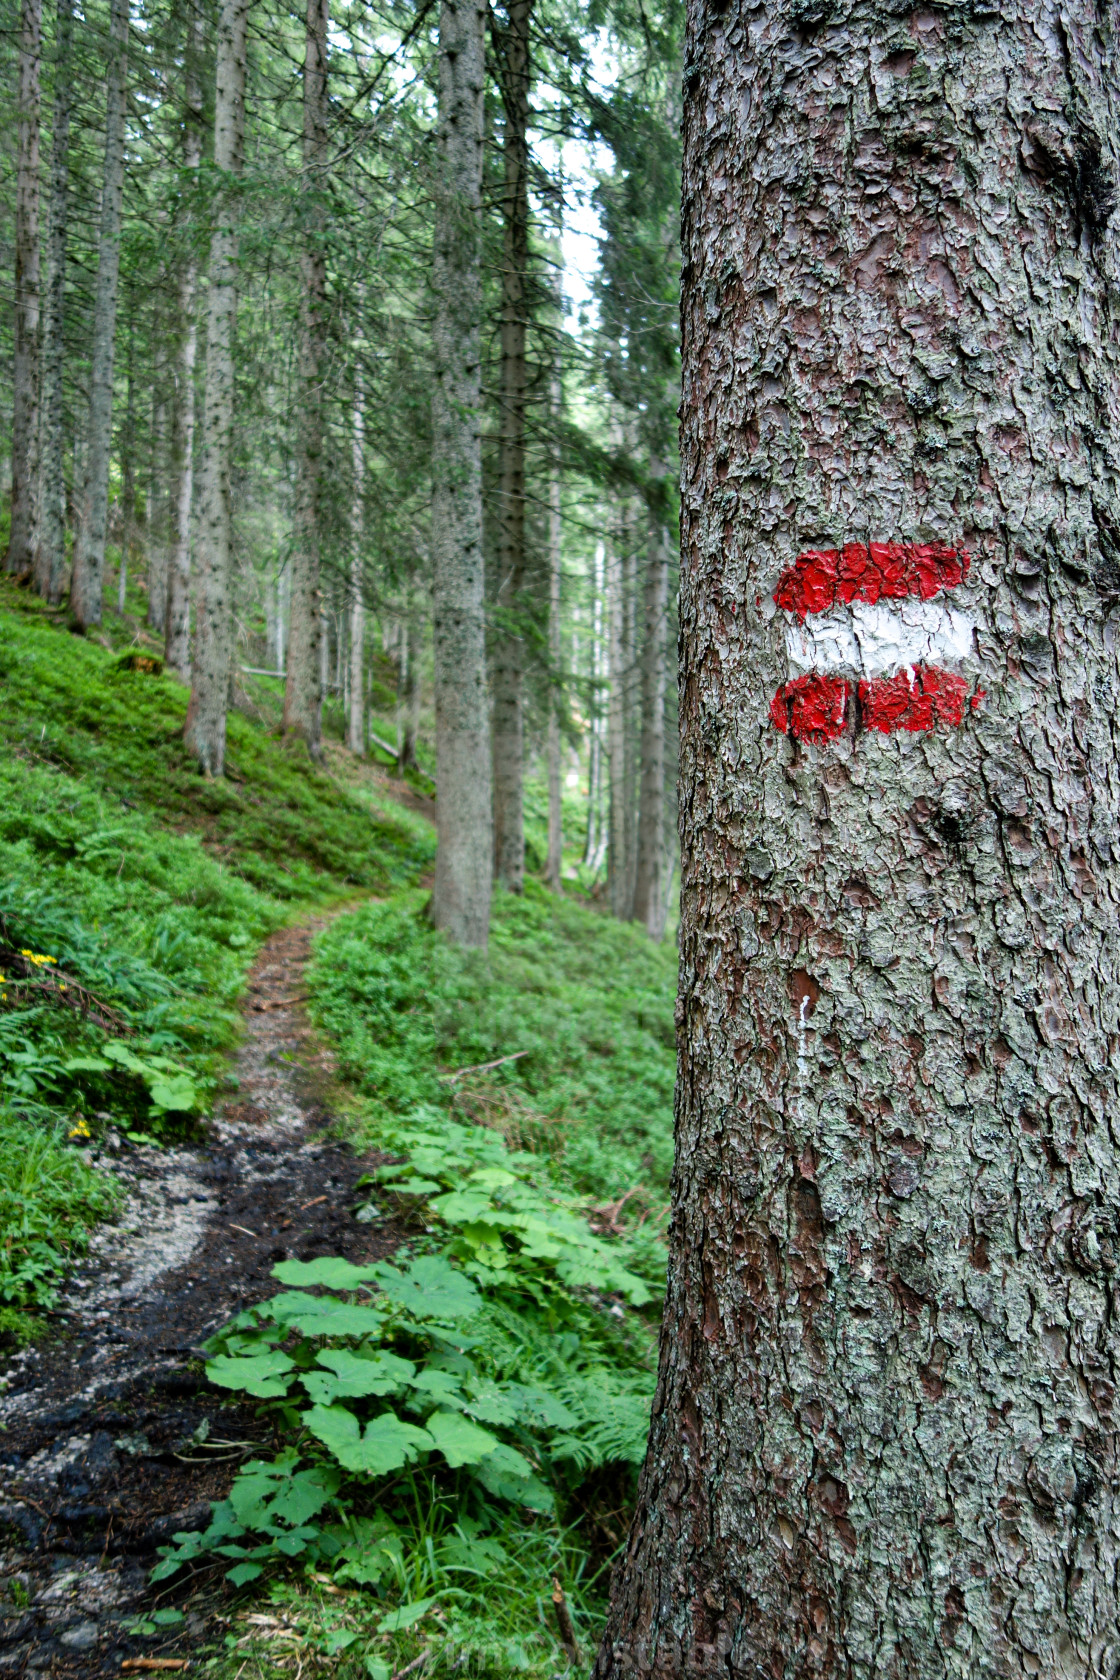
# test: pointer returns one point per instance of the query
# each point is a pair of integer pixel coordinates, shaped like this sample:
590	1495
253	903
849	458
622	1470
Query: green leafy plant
49	1201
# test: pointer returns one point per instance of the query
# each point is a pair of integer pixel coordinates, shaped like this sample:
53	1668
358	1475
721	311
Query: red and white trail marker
870	643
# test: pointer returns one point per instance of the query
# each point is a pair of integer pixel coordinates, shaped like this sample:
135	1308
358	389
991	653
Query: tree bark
356	717
50	561
205	729
555	859
884	1435
303	690
461	896
617	874
595	844
23	537
649	896
89	556
177	645
507	674
127	460
155	519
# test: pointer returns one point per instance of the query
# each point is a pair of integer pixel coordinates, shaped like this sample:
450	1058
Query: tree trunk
177	644
89	555
594	848
356	717
555	859
507	675
205	731
155	522
616	742
461	896
303	690
50	562
23	538
127	462
884	1435
649	895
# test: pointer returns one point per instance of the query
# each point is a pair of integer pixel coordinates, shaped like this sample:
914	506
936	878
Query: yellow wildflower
81	1130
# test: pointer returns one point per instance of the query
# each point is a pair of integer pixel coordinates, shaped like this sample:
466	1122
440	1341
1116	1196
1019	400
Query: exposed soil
111	1439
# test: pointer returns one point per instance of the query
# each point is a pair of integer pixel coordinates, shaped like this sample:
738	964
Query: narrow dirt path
110	1438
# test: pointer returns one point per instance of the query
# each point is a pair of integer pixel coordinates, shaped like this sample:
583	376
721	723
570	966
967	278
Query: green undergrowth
133	893
467	1422
580	1004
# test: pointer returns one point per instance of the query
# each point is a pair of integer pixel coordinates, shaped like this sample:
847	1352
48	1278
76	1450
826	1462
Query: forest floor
112	1439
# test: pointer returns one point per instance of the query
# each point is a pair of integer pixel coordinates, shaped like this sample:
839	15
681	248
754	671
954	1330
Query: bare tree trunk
507	675
178	609
631	722
461	897
555	860
303	690
128	474
884	1438
205	731
50	563
155	522
595	846
616	742
356	727
23	539
649	895
89	550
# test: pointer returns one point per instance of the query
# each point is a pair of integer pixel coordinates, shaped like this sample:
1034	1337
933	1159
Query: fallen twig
482	1067
280	1003
564	1622
415	1663
148	1663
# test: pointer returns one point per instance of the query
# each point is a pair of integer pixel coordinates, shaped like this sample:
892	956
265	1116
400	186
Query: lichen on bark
883	1438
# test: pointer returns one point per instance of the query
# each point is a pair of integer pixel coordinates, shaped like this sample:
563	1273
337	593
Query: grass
584	1004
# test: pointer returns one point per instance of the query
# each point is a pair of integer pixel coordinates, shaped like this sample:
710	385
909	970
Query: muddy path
110	1437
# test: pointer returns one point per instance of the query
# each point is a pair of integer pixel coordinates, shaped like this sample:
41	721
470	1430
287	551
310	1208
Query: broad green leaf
492	1178
431	1288
262	1375
351	1376
486	1241
461	1441
322	1315
243	1572
441	1387
416	1187
459	1207
174	1096
397	1620
329	1270
86	1064
507	1475
386	1445
492	1402
266	1494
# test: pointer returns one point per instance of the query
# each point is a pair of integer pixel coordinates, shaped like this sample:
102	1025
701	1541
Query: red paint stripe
812	708
918	698
818	708
821	577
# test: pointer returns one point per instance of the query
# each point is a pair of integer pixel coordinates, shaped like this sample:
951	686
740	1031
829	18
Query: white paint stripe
873	641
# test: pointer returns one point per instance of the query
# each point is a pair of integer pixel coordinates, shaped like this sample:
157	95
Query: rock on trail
110	1437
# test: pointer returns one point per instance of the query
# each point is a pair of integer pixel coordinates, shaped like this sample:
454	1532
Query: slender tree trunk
89	554
23	539
155	522
507	675
594	846
408	692
649	896
303	691
128	474
205	731
177	629
555	860
50	564
461	897
616	742
356	727
631	721
884	1437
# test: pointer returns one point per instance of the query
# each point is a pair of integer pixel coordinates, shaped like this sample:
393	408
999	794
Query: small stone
79	1638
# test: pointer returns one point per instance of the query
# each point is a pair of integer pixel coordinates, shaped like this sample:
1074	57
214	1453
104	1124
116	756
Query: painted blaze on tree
884	1432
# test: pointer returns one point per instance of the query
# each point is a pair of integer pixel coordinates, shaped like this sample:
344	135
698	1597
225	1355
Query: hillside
513	1112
